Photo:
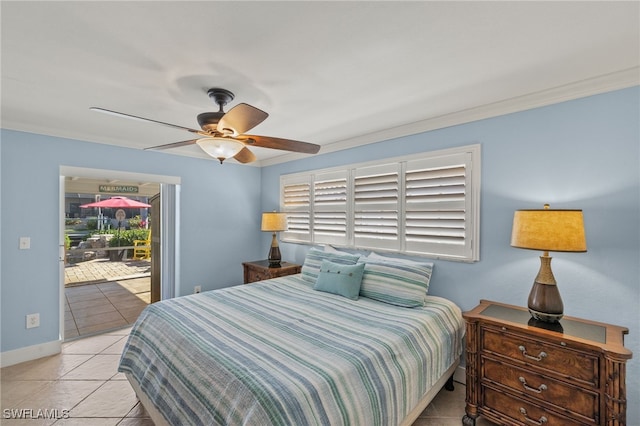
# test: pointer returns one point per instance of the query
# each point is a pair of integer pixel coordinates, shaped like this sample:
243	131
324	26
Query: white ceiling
333	73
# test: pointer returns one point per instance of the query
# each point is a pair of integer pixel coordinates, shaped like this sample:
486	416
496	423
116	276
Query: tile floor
93	308
83	380
83	385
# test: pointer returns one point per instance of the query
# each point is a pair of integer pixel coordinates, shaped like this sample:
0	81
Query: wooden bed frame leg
449	385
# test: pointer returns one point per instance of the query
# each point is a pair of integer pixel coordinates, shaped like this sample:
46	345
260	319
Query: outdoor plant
136	222
125	238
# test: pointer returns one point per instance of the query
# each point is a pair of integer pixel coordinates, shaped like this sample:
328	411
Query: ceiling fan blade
173	144
241	118
245	156
135	117
278	143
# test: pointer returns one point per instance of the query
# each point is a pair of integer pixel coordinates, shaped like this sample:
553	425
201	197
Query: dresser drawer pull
535	358
539	389
539	422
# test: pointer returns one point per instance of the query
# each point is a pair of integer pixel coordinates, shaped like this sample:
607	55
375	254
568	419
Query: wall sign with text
118	189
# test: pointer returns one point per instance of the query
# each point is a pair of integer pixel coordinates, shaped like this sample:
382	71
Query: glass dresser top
566	326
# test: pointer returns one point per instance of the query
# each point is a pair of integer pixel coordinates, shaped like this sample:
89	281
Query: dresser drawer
521	412
569	363
522	372
562	396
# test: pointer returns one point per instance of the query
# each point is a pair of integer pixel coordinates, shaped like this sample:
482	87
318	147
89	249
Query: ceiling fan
223	134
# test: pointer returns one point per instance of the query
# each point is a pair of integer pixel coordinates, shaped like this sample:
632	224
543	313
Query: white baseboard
30	353
460	375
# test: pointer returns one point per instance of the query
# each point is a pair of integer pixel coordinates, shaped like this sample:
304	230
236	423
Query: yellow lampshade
274	222
549	230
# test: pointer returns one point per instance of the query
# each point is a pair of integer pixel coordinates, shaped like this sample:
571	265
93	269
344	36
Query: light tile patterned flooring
93	308
83	385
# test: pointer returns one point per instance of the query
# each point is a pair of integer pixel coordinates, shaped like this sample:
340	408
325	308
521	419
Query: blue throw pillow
343	280
314	258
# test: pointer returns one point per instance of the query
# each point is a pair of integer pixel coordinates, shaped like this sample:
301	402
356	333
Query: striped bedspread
278	352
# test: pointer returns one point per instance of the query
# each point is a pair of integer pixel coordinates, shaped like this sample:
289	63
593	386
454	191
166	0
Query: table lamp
548	230
274	222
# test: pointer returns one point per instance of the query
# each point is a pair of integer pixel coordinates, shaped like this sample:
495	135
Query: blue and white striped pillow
397	283
313	261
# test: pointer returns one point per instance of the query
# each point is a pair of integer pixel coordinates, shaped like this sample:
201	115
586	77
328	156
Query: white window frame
434	211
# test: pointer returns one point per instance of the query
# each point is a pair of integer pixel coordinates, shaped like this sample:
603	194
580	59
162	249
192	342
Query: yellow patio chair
142	248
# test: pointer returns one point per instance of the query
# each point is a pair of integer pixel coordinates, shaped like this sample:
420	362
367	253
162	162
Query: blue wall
220	222
581	154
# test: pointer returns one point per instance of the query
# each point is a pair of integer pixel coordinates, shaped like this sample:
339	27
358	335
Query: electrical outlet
197	289
33	320
25	243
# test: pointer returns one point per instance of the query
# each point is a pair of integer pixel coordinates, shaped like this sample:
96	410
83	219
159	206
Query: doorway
102	292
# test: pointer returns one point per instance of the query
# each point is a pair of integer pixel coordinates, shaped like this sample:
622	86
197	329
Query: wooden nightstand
259	270
523	372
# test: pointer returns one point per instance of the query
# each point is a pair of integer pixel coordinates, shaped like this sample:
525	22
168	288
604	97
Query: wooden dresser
259	270
524	372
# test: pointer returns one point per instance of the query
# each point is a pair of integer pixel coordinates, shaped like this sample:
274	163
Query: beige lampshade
274	222
549	230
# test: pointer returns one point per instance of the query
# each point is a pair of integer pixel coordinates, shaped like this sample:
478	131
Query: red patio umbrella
117	203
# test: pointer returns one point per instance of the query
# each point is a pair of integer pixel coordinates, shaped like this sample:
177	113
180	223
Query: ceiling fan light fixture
220	148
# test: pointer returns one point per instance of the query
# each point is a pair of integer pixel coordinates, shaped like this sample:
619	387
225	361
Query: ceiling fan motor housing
208	121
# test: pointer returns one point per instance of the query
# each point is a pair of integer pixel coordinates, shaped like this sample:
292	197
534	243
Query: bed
284	352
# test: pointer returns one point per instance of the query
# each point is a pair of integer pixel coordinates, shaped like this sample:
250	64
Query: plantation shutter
295	199
426	205
376	207
330	208
438	206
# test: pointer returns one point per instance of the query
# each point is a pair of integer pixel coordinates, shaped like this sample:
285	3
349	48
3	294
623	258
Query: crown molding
579	89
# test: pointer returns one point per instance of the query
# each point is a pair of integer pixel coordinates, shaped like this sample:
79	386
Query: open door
155	248
165	233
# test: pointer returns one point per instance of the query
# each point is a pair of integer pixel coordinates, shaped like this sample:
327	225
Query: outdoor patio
102	295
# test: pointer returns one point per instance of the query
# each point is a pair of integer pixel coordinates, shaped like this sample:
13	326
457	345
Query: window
426	204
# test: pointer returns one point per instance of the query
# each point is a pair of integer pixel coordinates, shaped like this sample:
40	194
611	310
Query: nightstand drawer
260	270
554	392
254	276
283	272
569	363
521	411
